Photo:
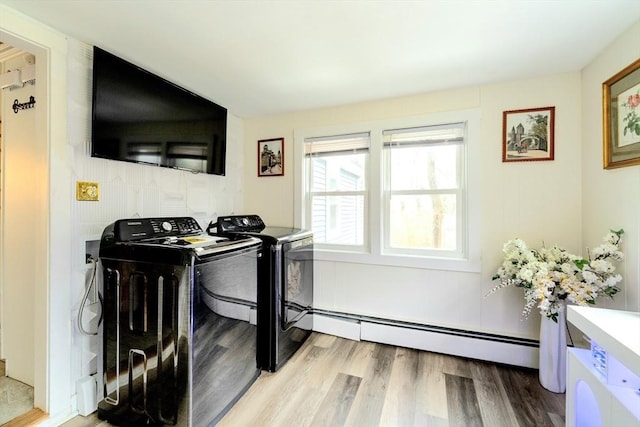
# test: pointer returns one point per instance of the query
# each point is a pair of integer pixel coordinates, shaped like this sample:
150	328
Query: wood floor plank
357	362
31	418
457	366
337	403
400	405
324	340
263	403
264	399
462	402
525	396
367	407
300	410
492	397
431	390
318	384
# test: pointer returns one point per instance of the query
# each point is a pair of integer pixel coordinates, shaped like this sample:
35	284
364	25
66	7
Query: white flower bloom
611	281
589	276
601	266
550	276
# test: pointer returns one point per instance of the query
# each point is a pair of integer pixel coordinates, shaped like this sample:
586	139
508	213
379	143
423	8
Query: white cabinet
609	396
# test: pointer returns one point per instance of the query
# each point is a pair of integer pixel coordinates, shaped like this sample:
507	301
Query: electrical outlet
87	191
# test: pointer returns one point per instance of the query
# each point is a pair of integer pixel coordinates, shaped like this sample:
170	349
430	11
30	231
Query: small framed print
621	118
271	157
527	135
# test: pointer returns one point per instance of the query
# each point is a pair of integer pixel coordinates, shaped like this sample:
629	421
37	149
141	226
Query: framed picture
271	157
527	135
621	118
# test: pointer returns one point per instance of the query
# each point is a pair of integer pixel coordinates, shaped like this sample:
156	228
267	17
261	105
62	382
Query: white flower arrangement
553	277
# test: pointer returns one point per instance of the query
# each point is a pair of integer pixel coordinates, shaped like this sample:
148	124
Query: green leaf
580	263
611	291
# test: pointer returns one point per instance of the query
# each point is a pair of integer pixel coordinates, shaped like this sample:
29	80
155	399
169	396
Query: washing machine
285	285
179	334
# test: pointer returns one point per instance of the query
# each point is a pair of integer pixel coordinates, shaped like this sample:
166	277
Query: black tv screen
143	118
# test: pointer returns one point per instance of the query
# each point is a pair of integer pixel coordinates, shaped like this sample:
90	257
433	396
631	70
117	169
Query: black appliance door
296	292
141	361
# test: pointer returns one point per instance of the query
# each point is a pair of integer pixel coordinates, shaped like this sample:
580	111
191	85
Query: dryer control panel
239	223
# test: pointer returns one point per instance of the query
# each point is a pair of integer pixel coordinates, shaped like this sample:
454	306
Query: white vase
553	353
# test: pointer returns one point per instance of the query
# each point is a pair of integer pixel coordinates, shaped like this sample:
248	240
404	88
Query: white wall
611	198
536	201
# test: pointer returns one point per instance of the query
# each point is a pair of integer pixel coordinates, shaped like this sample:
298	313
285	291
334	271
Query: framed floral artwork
528	135
621	118
271	157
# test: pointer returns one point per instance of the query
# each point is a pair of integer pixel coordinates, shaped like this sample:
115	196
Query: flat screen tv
143	118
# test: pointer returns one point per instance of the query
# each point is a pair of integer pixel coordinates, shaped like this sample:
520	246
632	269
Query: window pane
423	222
338	220
424	167
338	172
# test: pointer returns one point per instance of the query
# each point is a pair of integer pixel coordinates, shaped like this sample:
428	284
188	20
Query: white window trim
375	254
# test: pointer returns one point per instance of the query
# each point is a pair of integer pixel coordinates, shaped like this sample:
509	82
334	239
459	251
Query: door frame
53	390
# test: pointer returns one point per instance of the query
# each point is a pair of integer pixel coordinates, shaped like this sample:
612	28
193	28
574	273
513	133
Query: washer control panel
126	230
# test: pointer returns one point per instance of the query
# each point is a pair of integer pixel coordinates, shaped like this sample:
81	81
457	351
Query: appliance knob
166	226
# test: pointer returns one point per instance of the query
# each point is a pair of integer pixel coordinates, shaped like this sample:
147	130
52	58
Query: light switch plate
87	191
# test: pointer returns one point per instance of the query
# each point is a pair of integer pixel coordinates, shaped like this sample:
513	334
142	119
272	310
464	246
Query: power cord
97	296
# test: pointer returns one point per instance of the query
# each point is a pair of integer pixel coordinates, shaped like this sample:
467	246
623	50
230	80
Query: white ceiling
261	57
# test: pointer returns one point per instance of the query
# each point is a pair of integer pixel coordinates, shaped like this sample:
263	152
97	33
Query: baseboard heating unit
457	342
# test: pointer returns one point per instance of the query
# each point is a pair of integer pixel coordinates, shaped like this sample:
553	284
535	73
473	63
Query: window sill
427	263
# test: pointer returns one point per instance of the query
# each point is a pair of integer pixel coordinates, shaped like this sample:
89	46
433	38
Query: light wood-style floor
337	382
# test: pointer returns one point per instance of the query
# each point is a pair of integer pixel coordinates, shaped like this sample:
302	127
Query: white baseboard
469	344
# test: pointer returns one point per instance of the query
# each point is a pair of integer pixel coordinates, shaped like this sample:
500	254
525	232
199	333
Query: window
337	189
393	192
424	190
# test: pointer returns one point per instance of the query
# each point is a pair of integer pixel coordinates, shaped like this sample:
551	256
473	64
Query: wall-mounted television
140	117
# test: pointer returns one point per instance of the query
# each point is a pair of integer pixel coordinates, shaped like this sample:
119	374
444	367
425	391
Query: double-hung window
337	190
424	190
399	192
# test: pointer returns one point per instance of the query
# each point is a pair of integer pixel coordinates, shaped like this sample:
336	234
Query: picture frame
271	157
621	118
528	135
